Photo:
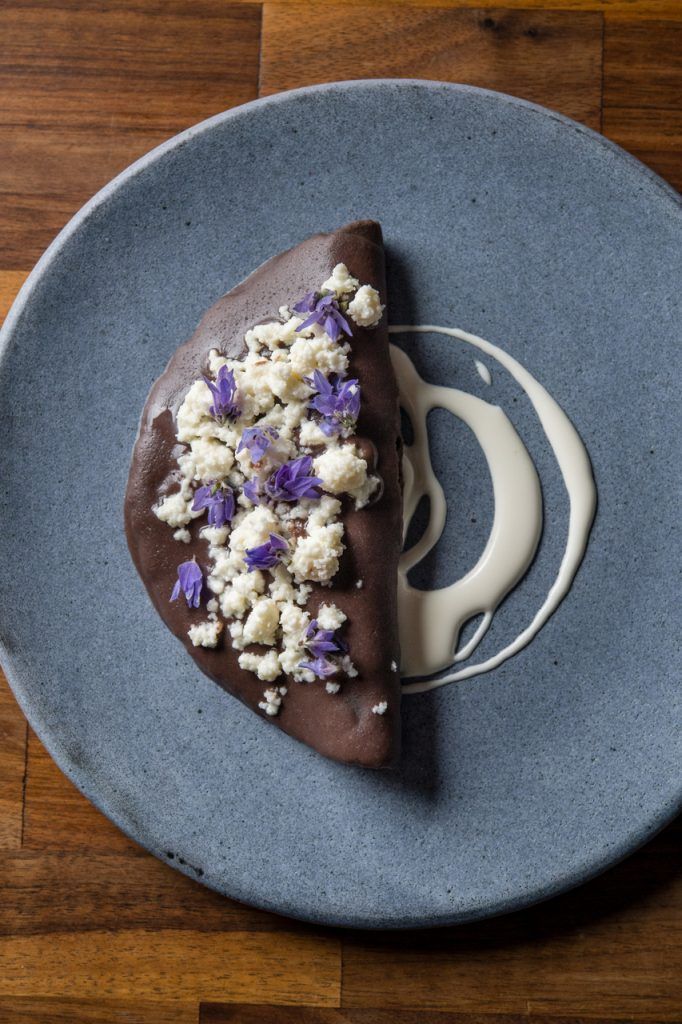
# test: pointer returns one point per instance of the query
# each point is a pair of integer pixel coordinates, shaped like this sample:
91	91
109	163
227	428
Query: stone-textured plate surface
501	218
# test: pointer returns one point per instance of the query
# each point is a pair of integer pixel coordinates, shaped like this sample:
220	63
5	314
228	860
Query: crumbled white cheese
261	625
380	708
366	309
310	434
394	666
309	354
316	555
340	281
212	459
271	702
330	617
254	529
359	584
205	634
266	666
269	607
176	510
193	412
215	535
342	469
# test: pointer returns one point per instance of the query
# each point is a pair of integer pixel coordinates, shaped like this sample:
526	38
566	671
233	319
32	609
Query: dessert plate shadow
501	218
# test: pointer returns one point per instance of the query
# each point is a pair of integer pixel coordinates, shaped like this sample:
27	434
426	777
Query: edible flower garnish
190	582
321	643
257	440
323	309
293	481
252	491
266	556
320	667
224	390
218	499
337	401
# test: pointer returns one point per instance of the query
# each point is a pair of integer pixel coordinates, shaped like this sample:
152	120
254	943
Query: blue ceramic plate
501	218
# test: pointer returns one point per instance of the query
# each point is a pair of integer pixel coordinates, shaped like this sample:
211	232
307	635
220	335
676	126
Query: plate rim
561	882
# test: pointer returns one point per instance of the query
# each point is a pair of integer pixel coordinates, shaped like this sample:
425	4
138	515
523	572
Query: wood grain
13	738
10	283
91	891
632	9
86	88
173	965
222	1013
510	50
101	1011
643	92
610	950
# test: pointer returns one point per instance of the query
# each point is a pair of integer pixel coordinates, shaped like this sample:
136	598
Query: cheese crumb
316	556
366	308
394	666
340	281
380	708
330	617
271	702
205	634
261	625
332	687
341	469
182	535
175	510
266	666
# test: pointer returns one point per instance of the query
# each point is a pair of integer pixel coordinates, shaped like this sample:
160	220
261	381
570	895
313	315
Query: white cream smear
431	620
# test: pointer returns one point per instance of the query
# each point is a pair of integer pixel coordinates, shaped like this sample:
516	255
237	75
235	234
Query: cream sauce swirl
431	620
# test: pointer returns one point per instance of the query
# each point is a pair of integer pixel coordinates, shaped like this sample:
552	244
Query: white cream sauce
431	621
483	371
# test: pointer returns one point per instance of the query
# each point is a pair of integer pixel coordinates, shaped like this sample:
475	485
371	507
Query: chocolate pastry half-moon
263	509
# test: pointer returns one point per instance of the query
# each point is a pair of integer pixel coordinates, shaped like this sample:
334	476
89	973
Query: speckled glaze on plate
501	218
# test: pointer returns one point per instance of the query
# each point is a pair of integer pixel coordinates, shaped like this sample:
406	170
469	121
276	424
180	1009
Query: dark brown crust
340	726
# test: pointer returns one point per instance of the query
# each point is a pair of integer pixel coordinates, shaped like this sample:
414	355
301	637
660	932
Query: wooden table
91	927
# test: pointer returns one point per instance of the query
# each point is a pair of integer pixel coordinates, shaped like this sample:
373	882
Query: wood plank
634	9
643	92
76	1011
217	1013
223	1013
80	892
173	965
13	739
610	950
10	283
58	817
643	64
510	50
86	88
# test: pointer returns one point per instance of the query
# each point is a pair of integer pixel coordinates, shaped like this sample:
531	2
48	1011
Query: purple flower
337	401
323	309
218	499
323	641
266	556
293	481
257	440
320	667
225	405
252	491
190	582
